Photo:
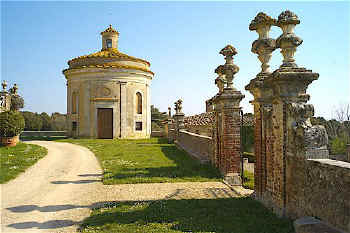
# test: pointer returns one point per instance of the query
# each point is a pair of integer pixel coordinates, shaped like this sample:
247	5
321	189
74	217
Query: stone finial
220	81
262	23
288	17
288	41
4	85
230	69
263	46
169	111
15	88
179	106
176	108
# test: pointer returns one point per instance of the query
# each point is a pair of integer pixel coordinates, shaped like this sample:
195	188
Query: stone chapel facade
108	93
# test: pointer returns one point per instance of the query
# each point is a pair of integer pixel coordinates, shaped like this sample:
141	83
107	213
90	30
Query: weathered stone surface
312	225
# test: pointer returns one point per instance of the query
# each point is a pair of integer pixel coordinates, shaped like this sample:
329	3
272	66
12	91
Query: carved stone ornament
14	89
220	81
263	46
176	107
4	85
230	69
312	137
179	106
288	41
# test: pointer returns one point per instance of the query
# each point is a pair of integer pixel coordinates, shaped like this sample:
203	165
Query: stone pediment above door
104	93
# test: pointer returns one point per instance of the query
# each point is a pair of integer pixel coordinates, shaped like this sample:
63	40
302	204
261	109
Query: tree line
44	122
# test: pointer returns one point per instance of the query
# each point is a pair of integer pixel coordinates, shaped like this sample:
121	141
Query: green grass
231	215
248	182
146	161
14	160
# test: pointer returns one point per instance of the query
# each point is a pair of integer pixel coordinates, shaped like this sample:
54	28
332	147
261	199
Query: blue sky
182	41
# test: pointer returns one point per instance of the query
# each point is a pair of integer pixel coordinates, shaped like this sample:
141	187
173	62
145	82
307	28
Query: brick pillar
284	133
227	122
179	118
228	130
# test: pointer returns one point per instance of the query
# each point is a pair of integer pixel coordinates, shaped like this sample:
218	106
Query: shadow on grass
239	215
24	139
185	168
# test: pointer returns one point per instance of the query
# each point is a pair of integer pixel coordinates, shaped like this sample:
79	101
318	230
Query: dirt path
58	192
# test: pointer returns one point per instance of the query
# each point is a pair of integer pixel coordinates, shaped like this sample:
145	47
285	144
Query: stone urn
9	141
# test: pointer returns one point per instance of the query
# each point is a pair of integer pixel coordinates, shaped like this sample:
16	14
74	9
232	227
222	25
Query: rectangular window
74	126
109	43
138	126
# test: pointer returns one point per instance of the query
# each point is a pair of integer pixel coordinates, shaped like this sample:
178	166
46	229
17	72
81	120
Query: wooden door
105	122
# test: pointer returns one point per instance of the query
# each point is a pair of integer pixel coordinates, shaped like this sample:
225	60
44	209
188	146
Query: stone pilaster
123	110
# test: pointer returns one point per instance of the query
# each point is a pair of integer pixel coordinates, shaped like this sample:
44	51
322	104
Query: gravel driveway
58	192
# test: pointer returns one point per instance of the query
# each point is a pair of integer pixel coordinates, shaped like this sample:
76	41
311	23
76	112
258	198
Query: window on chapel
138	103
109	43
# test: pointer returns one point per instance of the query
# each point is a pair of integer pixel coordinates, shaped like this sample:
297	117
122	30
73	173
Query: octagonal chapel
108	93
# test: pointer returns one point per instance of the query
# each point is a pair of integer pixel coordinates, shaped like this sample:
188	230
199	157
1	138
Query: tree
157	117
46	121
17	102
58	121
33	121
11	123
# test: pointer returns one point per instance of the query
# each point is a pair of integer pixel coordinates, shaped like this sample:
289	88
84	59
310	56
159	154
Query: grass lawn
14	160
248	182
146	161
231	215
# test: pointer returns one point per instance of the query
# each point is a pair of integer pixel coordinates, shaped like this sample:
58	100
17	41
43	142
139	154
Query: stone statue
311	137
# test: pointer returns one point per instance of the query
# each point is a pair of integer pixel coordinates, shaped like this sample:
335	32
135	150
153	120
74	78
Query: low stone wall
198	146
157	134
30	134
171	135
205	130
319	188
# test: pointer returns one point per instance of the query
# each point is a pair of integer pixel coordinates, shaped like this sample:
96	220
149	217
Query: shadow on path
74	181
45	225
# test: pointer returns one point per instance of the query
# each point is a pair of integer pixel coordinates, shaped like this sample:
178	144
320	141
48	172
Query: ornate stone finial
288	17
179	106
230	69
264	46
220	81
288	41
15	88
169	111
176	108
262	24
4	85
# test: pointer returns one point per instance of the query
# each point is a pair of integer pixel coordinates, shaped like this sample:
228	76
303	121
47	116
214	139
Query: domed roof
109	53
109	57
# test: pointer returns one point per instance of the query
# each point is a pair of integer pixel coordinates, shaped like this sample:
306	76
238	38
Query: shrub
11	123
338	145
17	102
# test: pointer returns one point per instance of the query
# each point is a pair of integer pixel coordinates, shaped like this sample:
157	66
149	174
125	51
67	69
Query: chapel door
105	122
